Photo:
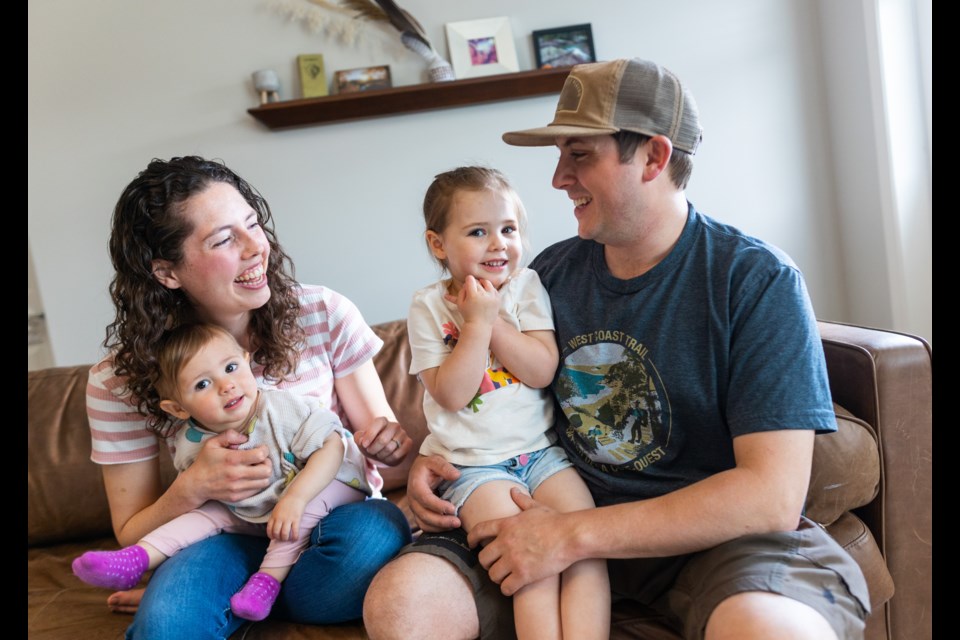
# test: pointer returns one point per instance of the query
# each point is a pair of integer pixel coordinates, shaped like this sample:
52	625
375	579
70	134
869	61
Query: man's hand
524	548
430	512
223	472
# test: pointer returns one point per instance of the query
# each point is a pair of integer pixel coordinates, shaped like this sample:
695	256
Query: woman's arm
139	505
375	426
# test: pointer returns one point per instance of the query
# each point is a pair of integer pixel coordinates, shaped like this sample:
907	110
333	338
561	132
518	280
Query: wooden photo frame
362	79
564	46
481	47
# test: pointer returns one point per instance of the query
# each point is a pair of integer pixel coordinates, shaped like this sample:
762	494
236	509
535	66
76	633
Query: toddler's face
482	237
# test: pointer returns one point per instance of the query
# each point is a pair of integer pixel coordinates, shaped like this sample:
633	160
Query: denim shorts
528	470
806	564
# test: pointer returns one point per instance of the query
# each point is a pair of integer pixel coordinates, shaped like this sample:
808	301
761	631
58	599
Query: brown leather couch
871	487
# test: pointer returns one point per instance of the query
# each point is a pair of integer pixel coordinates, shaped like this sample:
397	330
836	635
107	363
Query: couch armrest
65	495
885	378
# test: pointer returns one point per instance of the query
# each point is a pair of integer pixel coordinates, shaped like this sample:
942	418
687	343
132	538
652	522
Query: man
691	385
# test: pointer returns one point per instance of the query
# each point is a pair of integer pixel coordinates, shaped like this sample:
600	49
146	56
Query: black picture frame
564	46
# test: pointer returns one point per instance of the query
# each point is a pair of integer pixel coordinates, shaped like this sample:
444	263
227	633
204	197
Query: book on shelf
313	79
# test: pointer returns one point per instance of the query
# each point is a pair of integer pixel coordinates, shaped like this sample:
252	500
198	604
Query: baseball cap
601	98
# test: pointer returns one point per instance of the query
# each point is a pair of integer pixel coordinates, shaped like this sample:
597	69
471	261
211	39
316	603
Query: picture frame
362	79
564	46
481	47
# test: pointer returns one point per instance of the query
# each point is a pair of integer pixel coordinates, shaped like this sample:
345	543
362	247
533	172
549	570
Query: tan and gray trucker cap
605	97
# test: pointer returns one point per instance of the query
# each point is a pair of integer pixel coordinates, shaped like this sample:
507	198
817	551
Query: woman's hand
223	472
139	503
385	441
430	512
372	421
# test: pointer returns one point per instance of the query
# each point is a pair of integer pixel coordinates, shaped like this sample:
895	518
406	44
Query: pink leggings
213	518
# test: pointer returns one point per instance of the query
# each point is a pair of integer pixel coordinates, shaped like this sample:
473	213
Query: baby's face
217	387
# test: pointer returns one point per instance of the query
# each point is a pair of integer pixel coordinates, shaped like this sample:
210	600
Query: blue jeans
188	596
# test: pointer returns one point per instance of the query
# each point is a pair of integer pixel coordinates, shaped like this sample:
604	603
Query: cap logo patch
571	95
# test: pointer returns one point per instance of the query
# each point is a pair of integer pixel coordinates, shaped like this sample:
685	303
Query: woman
192	241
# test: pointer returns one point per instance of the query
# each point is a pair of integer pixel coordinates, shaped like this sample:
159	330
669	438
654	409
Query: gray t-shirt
658	373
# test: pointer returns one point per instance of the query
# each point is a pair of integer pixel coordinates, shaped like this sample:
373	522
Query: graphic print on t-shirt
614	401
494	377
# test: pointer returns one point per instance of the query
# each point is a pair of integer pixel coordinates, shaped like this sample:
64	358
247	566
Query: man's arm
431	512
764	492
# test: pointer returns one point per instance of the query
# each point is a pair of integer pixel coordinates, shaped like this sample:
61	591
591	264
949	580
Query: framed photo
564	46
362	79
481	47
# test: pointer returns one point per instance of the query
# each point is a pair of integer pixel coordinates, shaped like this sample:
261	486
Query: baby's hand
284	522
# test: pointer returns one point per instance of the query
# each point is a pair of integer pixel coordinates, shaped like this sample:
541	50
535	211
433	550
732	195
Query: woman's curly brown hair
148	225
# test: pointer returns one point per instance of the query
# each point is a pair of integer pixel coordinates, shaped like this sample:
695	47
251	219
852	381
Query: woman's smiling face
224	267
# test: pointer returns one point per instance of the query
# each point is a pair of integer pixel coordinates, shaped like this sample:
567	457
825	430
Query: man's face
606	194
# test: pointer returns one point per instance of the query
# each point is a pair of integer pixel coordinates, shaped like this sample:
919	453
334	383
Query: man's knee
420	596
759	614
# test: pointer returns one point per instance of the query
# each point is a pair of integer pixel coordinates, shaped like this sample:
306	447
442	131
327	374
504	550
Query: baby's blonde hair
440	193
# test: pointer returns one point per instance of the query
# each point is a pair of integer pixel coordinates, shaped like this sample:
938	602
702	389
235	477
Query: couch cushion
405	393
846	469
854	536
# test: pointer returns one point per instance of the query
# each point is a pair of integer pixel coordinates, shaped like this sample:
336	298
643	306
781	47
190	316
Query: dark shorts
806	565
494	609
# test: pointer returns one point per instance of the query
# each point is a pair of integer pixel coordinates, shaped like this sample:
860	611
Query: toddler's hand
478	301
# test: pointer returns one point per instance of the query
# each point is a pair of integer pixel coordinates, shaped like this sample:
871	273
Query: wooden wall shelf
410	98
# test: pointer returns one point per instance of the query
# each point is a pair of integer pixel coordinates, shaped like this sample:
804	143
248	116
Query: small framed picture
362	79
481	47
564	46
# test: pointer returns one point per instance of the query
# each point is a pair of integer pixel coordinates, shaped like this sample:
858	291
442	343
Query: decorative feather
412	34
388	11
366	9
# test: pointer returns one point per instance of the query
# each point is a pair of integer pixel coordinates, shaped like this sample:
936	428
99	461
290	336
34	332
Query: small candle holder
267	83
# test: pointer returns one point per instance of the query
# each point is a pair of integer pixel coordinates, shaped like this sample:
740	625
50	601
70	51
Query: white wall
114	83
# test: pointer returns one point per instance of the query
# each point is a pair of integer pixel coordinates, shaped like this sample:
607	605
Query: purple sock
256	598
119	570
